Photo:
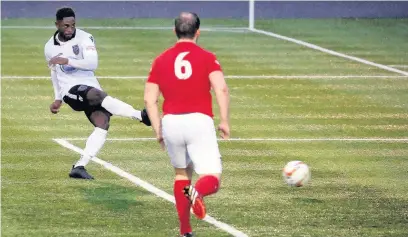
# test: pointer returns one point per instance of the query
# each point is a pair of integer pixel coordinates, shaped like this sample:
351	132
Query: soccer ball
296	173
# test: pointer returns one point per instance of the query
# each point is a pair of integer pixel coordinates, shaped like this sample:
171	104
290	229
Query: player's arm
54	107
90	56
222	95
57	89
151	98
221	91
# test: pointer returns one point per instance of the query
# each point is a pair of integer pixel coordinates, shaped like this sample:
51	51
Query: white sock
120	108
93	145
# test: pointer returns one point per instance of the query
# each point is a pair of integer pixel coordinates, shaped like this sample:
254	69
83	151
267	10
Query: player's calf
120	108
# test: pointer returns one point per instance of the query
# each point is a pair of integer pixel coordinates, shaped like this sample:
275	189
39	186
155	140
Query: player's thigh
76	97
75	103
81	91
95	96
202	145
174	141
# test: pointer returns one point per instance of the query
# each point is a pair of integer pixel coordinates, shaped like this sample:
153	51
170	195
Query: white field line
6	77
221	29
350	139
149	187
228	29
313	46
399	66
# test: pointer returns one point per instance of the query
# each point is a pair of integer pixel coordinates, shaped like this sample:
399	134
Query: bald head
186	25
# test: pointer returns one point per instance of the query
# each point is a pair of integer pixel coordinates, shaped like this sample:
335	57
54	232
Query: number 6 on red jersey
179	64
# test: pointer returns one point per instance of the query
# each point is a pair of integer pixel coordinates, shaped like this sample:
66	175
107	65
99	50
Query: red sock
207	185
182	205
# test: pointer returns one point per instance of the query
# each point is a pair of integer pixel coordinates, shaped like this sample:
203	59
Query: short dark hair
64	12
186	25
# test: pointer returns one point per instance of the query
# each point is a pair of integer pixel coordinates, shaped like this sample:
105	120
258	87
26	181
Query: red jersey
182	74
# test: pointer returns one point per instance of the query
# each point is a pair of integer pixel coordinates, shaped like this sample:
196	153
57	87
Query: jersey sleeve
89	53
54	78
47	53
154	76
213	64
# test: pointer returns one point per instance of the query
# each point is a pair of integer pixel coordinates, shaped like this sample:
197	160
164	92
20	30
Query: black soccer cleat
188	235
145	118
79	172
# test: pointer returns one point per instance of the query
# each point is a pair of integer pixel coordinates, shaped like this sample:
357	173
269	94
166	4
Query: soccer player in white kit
185	74
72	57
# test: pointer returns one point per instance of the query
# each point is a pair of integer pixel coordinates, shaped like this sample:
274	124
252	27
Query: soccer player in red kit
185	74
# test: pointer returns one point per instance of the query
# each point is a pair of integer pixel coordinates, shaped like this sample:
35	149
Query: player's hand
160	140
58	60
224	129
55	106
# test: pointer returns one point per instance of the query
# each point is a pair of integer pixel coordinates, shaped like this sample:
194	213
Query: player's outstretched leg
120	108
116	107
205	185
100	119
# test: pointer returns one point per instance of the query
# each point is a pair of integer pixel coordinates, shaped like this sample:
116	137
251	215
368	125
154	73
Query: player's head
65	22
187	26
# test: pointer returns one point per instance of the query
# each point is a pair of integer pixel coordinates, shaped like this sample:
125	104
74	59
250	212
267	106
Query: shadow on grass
114	197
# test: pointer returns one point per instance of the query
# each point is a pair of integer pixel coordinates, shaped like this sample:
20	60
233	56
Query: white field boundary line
398	66
220	29
316	47
6	77
350	139
149	187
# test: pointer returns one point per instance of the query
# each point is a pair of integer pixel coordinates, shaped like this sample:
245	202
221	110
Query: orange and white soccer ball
296	173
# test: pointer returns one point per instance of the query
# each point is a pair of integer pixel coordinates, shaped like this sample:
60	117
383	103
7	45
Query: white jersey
82	61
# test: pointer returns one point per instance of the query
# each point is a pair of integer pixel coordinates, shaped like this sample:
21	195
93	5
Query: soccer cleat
79	172
145	118
187	235
196	200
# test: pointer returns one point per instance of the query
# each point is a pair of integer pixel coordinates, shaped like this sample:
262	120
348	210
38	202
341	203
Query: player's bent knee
103	126
182	177
181	171
182	174
102	123
100	119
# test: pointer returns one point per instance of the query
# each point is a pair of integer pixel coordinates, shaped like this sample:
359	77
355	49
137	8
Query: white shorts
192	138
